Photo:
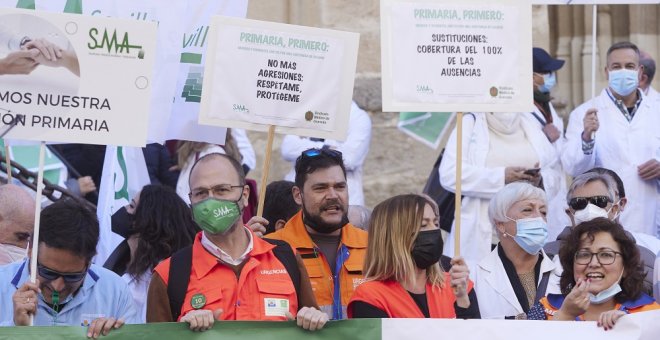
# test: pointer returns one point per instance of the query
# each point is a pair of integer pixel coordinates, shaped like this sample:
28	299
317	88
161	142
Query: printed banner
297	78
444	55
638	326
185	110
426	127
97	92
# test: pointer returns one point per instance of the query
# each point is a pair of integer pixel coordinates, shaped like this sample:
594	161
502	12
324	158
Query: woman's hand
609	318
459	274
576	302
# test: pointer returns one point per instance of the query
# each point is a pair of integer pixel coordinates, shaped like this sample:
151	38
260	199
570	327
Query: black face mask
427	248
319	226
122	223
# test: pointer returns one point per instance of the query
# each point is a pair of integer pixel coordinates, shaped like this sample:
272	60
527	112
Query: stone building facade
564	30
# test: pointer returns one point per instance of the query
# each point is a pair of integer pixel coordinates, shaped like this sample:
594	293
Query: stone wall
396	163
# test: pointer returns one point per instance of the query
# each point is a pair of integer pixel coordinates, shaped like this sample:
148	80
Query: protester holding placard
332	248
602	279
229	273
517	273
402	270
618	130
70	290
354	150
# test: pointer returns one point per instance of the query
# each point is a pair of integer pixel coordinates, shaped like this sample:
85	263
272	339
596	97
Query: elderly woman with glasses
602	278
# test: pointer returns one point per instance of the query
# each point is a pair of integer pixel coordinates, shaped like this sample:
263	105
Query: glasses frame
52	275
595	200
597	256
191	193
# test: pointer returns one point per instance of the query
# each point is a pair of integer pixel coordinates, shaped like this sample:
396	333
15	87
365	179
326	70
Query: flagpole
8	162
264	171
37	218
594	46
459	169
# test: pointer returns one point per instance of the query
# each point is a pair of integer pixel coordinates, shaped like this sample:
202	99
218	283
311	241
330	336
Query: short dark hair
649	67
279	203
632	285
621	45
234	163
321	159
619	183
69	225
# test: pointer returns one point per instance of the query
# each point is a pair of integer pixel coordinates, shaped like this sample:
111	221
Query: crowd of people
191	253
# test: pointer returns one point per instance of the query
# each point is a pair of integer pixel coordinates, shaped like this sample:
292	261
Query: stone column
604	42
564	32
576	53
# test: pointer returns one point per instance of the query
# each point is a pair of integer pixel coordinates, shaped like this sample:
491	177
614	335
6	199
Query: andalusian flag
124	175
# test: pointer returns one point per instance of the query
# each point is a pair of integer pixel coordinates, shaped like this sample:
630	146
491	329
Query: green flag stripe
27	4
191	58
73	7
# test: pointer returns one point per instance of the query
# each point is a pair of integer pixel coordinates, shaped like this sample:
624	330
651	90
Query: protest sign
638	326
444	55
593	2
299	79
98	92
426	127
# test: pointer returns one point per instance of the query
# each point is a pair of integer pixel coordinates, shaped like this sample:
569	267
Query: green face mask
216	215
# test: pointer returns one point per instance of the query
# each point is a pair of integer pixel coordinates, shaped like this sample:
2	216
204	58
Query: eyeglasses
220	190
52	275
579	203
604	257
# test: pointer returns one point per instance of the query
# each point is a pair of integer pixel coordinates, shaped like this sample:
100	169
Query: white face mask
10	253
589	213
606	294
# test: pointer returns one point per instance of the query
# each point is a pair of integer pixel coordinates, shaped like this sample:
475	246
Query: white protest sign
166	64
185	110
97	93
297	78
472	55
635	326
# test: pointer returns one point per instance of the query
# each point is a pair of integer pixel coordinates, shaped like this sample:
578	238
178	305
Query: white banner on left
96	91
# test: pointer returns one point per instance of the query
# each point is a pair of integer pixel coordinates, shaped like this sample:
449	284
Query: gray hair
588	177
510	195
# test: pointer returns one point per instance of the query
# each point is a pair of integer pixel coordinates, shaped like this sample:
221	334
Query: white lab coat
481	183
494	291
354	151
620	146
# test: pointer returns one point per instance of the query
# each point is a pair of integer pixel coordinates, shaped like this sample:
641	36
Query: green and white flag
427	127
124	175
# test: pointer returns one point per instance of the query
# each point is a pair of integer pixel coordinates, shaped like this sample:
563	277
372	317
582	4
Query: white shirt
222	255
354	151
621	146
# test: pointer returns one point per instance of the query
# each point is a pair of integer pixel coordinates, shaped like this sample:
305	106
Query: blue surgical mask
531	234
624	81
607	294
549	81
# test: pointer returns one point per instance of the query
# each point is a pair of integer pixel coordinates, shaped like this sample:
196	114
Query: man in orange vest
229	273
332	249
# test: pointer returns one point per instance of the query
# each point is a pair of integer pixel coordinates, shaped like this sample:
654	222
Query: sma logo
112	43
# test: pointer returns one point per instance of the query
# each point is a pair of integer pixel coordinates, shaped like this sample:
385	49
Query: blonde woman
403	276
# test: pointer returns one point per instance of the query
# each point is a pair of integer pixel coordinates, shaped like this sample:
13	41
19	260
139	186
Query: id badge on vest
276	307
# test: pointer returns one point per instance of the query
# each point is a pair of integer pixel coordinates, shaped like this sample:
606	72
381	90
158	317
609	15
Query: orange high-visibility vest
390	297
351	253
262	291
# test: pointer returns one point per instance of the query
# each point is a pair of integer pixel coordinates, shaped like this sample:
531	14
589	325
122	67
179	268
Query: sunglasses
52	275
579	203
311	153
